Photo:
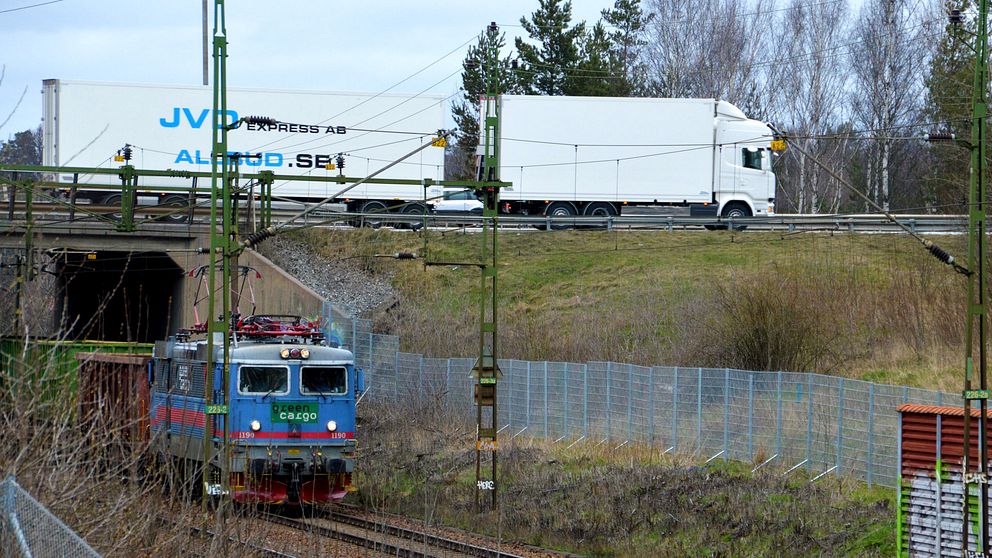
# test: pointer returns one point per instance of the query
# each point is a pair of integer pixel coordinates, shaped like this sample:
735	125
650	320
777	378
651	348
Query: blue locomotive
291	411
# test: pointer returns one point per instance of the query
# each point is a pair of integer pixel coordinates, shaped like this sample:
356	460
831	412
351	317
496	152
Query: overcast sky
291	44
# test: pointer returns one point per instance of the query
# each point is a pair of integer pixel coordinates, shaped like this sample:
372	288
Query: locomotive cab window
751	158
324	380
263	380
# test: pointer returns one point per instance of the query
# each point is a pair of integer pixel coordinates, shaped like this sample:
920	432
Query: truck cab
744	183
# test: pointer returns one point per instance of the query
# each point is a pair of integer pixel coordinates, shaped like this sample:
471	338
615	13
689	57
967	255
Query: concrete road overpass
94	282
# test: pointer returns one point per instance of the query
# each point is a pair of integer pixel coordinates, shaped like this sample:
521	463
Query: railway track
388	538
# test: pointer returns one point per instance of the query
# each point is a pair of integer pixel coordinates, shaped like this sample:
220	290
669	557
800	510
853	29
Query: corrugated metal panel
935	410
931	495
114	395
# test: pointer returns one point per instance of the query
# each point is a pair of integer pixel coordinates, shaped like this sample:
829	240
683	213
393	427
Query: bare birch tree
710	48
891	39
808	77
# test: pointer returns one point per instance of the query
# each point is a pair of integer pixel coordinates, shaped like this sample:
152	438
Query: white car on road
458	202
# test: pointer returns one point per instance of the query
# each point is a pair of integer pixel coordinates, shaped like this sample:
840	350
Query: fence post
871	432
545	399
420	378
675	409
354	337
509	395
778	415
609	407
9	507
371	341
750	416
840	428
699	409
651	406
585	400
447	377
396	375
565	397
527	391
630	400
726	411
809	423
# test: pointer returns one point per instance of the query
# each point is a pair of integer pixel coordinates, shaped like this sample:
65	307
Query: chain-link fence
824	424
29	530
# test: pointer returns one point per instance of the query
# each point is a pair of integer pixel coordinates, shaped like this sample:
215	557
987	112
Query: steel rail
378	529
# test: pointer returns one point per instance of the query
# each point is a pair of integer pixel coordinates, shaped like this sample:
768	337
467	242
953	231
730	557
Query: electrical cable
934	250
379	94
7	11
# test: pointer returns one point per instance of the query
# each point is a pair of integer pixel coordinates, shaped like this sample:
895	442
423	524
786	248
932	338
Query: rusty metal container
114	398
931	495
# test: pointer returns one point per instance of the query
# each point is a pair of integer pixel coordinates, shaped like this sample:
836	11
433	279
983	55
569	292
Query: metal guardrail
334	216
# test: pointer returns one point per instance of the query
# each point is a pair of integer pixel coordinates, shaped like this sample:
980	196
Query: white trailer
593	155
168	126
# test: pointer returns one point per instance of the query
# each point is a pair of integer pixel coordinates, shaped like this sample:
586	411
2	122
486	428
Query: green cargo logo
294	412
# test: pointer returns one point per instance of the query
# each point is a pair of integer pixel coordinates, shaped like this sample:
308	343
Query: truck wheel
112	200
600	209
735	210
175	203
414	209
377	208
560	209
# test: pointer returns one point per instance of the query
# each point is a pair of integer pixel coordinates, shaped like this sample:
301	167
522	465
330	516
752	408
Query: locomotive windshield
324	380
263	380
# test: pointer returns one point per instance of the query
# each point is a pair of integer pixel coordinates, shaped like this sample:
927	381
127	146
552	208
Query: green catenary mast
976	310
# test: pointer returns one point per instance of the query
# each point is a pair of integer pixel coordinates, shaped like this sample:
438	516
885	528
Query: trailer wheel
600	209
175	203
560	209
372	206
112	200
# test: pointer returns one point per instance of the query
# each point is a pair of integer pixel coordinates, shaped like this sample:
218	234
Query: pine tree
626	43
949	85
592	75
555	54
23	149
465	111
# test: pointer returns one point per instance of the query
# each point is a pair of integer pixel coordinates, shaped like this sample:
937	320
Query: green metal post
129	182
220	225
976	310
265	195
487	369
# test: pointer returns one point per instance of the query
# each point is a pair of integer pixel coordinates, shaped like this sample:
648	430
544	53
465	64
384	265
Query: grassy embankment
875	307
596	500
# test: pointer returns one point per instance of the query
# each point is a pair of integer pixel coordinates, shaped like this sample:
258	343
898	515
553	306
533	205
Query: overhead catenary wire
384	91
254	238
7	11
934	249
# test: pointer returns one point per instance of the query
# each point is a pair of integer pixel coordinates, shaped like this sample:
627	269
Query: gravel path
340	281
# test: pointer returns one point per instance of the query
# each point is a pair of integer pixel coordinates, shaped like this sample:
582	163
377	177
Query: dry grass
601	501
874	307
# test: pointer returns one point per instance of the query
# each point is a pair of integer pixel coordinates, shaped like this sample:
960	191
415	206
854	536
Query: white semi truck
563	155
168	127
569	156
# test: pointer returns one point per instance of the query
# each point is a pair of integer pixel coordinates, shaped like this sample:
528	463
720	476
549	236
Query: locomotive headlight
284	353
304	353
255	425
332	426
